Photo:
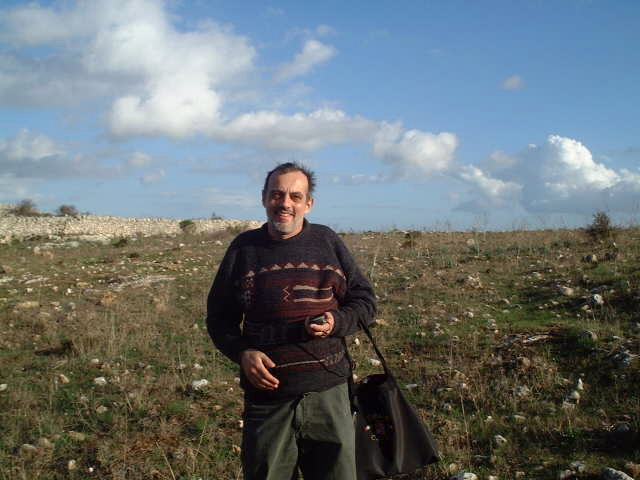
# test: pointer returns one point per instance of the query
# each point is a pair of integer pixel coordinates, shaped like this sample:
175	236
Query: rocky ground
519	349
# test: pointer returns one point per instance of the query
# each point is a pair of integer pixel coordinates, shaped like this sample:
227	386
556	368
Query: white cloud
414	150
560	176
299	132
514	82
139	160
36	156
167	81
153	177
313	54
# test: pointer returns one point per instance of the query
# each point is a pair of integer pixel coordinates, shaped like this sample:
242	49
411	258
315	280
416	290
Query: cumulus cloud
171	78
36	156
559	176
514	82
300	132
313	54
415	150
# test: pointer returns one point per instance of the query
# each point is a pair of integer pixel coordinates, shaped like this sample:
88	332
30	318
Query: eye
297	197
276	195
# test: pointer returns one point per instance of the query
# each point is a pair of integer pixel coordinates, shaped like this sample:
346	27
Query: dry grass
458	309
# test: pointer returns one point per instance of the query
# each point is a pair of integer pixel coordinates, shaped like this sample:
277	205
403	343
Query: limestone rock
465	476
611	474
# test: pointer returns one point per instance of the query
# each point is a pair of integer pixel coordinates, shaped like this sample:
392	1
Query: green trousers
313	433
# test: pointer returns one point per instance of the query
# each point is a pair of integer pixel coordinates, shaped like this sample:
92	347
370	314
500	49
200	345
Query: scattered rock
589	335
100	381
72	465
578	466
574	397
76	436
44	442
591	258
564	474
499	440
374	362
63	378
28	450
597	299
465	476
101	409
566	291
521	391
3	387
199	384
611	474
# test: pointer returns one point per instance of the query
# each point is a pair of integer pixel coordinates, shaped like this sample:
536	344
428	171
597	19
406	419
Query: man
297	291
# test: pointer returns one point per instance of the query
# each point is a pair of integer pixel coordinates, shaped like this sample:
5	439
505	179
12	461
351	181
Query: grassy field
519	350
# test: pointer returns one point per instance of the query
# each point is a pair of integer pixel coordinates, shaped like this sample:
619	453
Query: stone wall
97	227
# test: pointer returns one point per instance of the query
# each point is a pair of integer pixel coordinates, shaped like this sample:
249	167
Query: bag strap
364	327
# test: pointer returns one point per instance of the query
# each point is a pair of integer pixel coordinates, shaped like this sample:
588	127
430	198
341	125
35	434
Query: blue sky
443	114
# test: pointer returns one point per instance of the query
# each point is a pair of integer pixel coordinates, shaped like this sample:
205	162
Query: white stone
3	387
566	291
26	449
374	362
72	465
100	381
499	440
199	384
611	474
521	391
564	474
578	466
63	378
465	476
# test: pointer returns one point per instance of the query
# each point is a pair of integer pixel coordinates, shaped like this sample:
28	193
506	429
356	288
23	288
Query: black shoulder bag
390	437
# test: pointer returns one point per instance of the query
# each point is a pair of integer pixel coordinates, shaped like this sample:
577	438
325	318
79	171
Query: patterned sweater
264	291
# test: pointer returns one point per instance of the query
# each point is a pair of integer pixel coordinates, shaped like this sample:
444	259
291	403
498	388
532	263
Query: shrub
67	211
601	227
26	208
187	226
215	216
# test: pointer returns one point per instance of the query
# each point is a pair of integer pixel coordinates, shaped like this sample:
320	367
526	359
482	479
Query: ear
309	204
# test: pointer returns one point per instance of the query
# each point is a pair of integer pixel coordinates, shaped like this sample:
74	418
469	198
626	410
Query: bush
601	227
26	208
215	216
67	211
187	226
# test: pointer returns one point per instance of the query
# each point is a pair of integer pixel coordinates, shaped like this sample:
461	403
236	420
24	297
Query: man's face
286	202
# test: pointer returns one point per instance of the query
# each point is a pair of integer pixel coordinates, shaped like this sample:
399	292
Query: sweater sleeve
224	314
359	303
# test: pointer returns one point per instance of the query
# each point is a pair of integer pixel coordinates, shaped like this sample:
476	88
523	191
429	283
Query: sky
413	114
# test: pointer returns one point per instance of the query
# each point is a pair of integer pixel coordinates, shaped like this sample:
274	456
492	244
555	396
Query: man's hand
255	365
321	331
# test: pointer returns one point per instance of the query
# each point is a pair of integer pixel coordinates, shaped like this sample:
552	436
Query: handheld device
319	320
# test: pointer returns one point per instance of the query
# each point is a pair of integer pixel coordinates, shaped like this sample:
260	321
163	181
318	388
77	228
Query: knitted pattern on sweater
266	289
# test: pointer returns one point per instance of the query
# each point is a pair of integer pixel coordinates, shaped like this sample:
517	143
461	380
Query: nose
286	200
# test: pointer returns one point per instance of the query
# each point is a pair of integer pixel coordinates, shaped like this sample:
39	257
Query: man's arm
224	314
359	303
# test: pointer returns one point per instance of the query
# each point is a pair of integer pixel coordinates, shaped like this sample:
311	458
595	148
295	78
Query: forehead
290	182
